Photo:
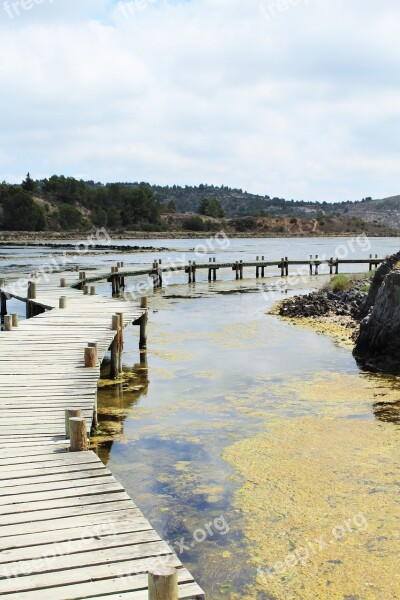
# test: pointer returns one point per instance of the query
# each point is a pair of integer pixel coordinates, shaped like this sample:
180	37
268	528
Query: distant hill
64	203
386	211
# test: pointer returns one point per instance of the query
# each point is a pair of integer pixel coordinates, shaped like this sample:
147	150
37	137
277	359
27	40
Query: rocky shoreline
365	318
335	313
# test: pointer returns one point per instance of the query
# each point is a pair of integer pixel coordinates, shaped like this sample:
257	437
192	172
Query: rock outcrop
378	342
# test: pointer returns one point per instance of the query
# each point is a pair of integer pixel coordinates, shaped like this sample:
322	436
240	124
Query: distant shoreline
15	238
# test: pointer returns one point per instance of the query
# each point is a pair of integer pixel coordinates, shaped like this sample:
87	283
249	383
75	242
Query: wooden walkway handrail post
90	357
69	413
163	584
15	320
32	290
78	434
7	323
31	295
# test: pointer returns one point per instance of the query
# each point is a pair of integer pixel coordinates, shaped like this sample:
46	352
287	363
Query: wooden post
163	584
257	268
70	412
337	266
3	304
63	282
62	303
241	269
92	290
144	303
7	323
316	264
262	268
209	271
330	265
286	266
95	422
282	266
115	347
189	270
90	357
194	271
311	264
120	340
32	290
85	290
78	434
15	320
237	269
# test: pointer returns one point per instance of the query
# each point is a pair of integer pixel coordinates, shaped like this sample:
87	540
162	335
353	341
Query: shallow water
243	438
229	390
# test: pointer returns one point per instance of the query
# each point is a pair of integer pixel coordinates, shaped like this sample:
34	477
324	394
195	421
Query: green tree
113	217
69	217
29	184
211	208
21	213
99	217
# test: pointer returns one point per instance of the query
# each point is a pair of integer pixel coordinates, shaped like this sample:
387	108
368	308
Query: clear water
211	376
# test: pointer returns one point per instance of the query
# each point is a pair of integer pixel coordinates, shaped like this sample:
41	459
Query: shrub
340	283
194	224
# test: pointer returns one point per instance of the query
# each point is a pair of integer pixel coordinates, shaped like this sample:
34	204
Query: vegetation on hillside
66	204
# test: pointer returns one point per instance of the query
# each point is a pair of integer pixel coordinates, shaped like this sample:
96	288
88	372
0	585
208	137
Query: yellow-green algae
306	476
339	327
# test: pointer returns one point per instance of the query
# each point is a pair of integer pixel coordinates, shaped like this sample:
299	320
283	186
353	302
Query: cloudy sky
291	98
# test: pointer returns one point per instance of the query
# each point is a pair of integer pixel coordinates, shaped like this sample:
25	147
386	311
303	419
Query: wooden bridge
68	528
118	274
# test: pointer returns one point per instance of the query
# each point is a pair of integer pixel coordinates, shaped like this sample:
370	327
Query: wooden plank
68	529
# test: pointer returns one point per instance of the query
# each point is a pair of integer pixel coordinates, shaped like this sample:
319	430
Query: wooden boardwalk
259	266
68	530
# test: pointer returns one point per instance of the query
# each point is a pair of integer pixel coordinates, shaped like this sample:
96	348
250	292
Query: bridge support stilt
144	303
3	305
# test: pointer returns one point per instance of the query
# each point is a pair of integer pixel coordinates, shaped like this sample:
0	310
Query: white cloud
303	104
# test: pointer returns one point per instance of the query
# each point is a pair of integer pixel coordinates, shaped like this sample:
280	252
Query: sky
290	98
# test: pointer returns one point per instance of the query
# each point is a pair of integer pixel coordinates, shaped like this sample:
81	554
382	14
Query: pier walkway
68	529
